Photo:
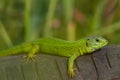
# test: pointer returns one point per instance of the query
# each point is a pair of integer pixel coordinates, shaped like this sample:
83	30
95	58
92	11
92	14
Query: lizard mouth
93	49
105	43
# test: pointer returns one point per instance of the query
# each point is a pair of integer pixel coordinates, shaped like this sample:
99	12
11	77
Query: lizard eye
97	40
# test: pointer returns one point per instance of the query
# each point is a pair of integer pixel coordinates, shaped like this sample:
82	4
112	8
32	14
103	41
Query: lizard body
59	47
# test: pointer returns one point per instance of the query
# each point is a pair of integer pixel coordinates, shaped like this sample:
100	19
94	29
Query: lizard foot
28	57
31	55
71	72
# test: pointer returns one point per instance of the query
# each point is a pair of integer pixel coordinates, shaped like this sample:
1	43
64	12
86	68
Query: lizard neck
82	49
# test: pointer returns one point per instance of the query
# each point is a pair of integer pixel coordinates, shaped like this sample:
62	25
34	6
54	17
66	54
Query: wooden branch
103	64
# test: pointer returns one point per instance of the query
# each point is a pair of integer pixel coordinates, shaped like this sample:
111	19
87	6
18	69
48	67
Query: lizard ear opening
86	44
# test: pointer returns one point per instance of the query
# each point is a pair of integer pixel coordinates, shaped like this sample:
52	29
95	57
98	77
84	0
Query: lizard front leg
31	52
71	65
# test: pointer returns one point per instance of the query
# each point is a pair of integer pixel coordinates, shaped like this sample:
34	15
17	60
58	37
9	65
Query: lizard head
95	42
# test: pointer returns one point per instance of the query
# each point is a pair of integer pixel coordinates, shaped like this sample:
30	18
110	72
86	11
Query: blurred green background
27	20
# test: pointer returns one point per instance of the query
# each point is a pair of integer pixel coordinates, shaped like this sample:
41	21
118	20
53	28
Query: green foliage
27	20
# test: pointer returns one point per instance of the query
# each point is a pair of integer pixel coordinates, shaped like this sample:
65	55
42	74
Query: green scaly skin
53	46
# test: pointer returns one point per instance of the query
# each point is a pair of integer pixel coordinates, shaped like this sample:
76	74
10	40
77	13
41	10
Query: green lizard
53	46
